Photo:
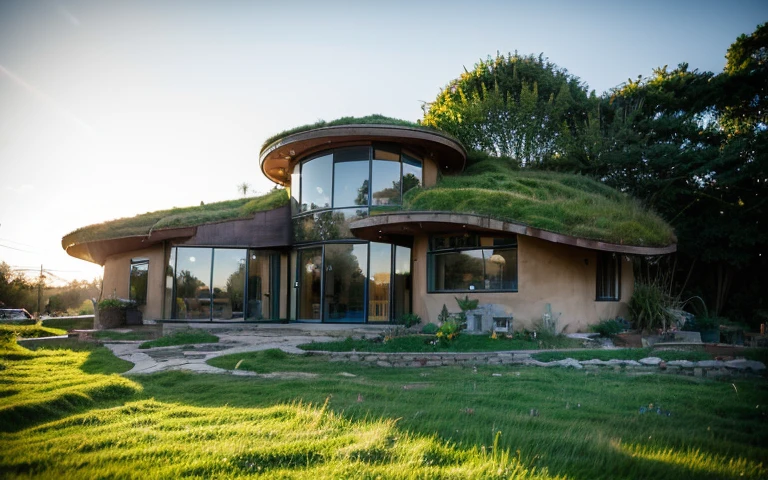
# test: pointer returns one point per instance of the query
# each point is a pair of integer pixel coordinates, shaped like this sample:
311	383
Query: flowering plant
448	331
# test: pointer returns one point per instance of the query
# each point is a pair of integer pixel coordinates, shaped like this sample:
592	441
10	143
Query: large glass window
137	290
402	281
379	282
411	172
263	285
469	263
385	177
316	183
346	272
228	283
310	274
608	276
193	276
351	177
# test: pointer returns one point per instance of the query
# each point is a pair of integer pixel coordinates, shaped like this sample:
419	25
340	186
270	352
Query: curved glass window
351	177
336	187
316	183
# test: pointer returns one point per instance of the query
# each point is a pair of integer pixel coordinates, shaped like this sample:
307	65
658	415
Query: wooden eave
97	251
393	227
278	158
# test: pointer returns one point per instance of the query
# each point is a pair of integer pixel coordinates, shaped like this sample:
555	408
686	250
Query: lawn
353	420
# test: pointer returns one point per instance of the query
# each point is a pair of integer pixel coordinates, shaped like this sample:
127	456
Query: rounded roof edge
394	225
276	158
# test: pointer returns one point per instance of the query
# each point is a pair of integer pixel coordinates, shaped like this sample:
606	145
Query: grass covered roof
178	217
375	119
561	203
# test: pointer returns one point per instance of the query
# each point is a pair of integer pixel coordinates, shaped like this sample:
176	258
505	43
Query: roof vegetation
178	217
562	203
375	119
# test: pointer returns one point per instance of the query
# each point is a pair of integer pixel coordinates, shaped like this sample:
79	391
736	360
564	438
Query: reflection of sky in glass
350	184
226	261
380	258
402	260
316	183
197	261
386	183
413	168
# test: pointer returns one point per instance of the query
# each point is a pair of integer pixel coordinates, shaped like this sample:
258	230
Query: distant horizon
113	109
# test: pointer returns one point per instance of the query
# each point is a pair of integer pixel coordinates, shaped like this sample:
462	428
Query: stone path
248	339
232	339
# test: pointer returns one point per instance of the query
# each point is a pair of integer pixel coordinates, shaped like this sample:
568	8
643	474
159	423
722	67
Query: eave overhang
97	251
395	227
278	158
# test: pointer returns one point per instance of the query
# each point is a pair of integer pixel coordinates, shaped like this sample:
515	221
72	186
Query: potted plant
709	328
112	312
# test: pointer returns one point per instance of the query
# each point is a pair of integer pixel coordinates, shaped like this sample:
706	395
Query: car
14	314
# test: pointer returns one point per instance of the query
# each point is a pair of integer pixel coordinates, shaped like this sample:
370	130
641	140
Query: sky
109	109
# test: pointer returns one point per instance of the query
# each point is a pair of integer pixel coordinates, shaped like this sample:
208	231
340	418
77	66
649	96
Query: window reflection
351	184
402	282
464	268
137	285
411	172
193	274
316	185
310	271
386	183
379	282
345	278
228	283
261	288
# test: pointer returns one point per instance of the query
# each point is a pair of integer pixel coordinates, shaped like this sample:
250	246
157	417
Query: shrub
649	307
429	329
408	320
113	302
610	327
467	304
448	331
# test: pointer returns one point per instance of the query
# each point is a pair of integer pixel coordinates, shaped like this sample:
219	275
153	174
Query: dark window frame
136	262
608	264
475	244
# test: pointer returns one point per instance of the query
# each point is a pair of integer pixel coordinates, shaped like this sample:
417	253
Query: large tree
694	146
523	107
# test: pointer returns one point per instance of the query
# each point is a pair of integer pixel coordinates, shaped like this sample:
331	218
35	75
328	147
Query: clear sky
114	108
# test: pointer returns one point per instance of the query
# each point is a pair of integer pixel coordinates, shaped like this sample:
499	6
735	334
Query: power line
18	249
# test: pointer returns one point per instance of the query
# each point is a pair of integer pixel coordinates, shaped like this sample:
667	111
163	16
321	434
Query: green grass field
66	414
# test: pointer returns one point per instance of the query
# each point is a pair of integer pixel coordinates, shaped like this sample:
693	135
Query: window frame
433	252
137	262
602	267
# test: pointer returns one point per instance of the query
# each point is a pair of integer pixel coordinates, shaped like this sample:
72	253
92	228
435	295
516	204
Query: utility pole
39	292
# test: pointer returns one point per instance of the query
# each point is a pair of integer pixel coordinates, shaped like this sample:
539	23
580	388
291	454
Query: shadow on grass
566	421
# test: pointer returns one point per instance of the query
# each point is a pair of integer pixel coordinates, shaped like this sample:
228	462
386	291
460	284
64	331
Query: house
377	220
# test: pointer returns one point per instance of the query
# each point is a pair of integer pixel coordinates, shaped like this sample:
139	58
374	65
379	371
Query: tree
694	146
524	107
243	188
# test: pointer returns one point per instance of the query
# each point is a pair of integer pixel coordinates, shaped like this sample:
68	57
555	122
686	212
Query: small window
608	276
138	281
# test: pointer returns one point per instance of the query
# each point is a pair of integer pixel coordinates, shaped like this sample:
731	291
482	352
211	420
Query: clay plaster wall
117	272
561	275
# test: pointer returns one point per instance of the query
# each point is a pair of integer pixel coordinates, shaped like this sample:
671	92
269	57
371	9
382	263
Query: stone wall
707	368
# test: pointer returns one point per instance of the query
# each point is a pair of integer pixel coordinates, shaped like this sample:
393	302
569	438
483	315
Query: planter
110	318
133	316
711	335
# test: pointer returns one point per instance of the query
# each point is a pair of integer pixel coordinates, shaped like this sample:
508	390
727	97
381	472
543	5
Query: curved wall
561	275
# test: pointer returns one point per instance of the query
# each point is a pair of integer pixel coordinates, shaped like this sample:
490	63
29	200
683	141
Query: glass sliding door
401	297
310	268
228	283
379	282
263	285
193	277
346	273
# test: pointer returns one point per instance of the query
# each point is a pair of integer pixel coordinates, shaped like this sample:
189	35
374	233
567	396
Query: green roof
568	204
178	217
375	119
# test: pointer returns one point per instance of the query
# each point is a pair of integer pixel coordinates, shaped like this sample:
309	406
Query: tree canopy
691	145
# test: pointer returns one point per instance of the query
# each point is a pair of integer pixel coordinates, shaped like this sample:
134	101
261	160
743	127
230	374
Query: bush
115	303
610	327
408	320
649	307
429	329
